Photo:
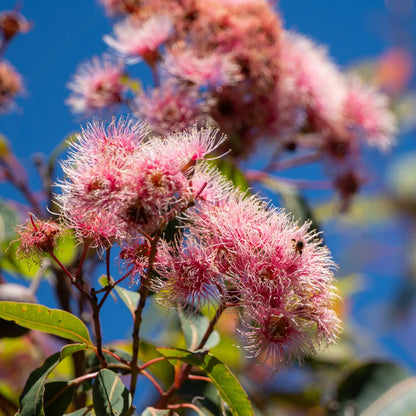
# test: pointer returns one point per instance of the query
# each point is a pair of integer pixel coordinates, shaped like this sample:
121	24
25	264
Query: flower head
213	70
134	38
37	237
311	89
239	251
97	85
11	23
170	108
120	7
367	116
119	186
10	85
96	185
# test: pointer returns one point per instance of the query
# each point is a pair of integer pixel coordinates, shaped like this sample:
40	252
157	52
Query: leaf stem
186	368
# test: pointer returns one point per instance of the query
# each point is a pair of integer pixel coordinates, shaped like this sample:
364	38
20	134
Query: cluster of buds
232	64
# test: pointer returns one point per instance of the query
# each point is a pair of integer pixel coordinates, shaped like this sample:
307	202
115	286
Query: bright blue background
67	32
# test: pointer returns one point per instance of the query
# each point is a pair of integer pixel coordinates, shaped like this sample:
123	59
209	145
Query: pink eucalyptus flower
37	237
213	70
188	278
96	185
367	116
276	270
97	85
134	38
10	85
311	89
119	186
170	108
120	7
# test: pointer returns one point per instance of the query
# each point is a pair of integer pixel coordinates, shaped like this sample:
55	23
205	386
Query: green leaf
400	400
109	394
162	370
92	363
129	297
57	397
85	411
222	378
59	149
9	261
66	249
31	399
194	328
232	172
151	411
8	218
377	388
41	318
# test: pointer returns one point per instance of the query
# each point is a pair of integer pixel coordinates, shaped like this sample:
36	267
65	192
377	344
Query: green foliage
41	318
85	411
110	396
92	362
194	328
151	411
377	389
232	172
129	297
162	370
8	218
226	383
32	397
57	397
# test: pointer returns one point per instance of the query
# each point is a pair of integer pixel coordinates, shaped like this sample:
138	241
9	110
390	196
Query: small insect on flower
298	245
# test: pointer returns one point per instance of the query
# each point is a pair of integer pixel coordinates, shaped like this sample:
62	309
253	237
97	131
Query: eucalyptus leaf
85	411
222	378
57	397
52	321
194	328
232	172
151	411
109	394
31	400
8	218
92	363
129	297
162	370
377	388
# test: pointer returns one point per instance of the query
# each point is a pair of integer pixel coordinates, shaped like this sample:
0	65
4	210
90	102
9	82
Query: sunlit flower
119	186
368	117
239	251
10	85
37	238
170	108
119	7
97	85
188	275
213	70
95	188
134	38
311	89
